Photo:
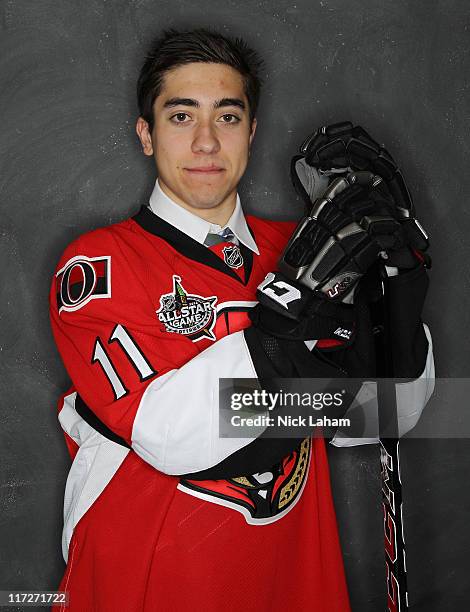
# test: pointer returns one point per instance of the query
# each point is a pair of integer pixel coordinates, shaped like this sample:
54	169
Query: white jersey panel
176	428
95	463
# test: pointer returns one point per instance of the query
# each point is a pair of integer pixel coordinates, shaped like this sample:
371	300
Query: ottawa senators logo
261	498
232	256
83	279
187	313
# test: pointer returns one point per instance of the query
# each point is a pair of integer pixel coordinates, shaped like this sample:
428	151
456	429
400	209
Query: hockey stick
394	541
337	149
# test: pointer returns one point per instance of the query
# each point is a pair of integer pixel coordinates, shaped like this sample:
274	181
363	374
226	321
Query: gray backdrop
70	162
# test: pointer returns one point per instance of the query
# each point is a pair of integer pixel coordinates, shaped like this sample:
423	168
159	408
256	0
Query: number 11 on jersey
132	352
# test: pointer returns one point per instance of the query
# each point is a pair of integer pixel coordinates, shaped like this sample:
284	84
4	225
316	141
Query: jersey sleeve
155	390
412	358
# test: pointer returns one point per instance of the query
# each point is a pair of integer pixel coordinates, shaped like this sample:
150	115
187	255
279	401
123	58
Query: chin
206	203
206	198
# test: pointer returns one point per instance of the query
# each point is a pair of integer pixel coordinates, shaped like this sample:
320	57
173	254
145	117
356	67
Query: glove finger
384	165
350	185
323	136
332	154
417	237
361	155
332	216
355	202
312	143
341	262
358	207
400	194
380	224
328	220
335	130
301	250
363	195
350	198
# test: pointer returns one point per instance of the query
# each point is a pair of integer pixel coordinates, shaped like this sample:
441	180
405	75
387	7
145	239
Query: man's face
201	135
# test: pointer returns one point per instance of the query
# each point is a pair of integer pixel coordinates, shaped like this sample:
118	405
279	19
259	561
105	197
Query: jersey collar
189	247
195	227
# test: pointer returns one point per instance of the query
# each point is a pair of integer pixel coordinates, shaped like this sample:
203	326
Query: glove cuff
318	318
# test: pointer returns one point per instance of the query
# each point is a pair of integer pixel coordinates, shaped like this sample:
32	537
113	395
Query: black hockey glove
311	297
341	237
341	148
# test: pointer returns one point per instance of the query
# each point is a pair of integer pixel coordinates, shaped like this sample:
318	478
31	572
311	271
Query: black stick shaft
394	542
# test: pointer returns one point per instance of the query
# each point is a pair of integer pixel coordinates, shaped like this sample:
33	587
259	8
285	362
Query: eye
230	118
180	117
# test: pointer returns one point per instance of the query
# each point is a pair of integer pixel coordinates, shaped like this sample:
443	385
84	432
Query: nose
205	139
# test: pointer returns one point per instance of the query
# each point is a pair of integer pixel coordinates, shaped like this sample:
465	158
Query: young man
148	314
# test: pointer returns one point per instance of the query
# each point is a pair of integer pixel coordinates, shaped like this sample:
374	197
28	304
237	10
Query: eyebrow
172	102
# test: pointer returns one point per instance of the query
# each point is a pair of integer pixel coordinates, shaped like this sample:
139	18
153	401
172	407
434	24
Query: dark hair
176	48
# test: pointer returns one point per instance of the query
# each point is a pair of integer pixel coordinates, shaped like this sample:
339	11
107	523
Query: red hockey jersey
147	320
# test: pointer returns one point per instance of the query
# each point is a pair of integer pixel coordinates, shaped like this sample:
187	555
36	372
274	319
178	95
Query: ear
254	123
143	132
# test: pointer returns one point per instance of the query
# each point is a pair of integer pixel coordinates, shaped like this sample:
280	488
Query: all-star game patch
187	313
233	257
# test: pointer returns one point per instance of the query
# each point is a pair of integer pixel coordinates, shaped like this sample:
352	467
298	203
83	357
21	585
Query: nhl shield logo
187	313
232	256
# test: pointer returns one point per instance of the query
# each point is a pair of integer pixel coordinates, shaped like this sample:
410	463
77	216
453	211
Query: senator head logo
262	498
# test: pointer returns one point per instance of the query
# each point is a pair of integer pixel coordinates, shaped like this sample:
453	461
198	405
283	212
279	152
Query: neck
218	215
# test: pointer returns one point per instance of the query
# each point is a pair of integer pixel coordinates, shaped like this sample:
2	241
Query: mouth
205	170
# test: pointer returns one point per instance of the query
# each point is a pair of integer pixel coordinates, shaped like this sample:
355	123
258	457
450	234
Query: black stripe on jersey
234	309
189	247
93	421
